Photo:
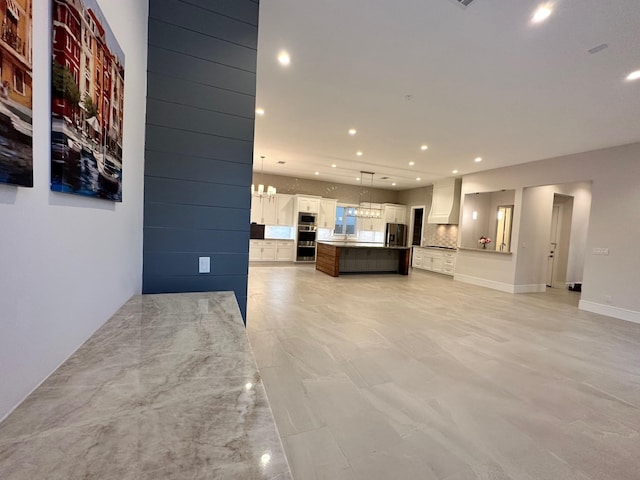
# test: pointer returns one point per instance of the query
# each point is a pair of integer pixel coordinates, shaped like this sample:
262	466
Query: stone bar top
167	389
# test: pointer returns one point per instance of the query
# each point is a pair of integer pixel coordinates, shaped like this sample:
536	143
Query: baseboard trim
483	282
609	311
534	288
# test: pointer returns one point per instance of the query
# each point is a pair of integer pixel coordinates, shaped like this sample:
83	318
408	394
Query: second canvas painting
87	102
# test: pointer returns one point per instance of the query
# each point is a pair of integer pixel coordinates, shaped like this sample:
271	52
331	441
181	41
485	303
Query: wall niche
488	215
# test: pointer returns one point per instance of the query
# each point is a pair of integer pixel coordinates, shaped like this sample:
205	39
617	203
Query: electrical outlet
607	298
204	265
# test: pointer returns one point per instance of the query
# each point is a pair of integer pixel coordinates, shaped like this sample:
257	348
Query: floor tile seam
542	446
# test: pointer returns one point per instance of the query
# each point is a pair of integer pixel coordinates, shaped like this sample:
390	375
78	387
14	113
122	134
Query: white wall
610	283
69	262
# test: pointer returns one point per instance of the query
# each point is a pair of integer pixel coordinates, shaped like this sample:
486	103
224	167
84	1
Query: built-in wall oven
306	237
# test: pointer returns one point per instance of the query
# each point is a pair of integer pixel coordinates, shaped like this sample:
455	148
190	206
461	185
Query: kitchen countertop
483	250
167	388
347	244
435	247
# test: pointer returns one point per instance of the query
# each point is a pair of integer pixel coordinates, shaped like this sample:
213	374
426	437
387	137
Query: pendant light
270	192
363	211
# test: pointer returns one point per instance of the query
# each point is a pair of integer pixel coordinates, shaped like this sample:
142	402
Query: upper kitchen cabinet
445	204
263	209
327	216
284	210
308	204
395	213
272	210
488	215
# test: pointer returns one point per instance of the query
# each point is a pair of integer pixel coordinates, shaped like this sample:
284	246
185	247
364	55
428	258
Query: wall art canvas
87	102
16	132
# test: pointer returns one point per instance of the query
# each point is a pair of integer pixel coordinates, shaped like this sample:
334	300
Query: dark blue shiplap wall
199	144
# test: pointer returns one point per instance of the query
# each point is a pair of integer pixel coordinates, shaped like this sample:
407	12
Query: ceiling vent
384	178
463	3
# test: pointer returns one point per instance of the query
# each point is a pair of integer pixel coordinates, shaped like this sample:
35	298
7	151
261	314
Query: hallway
421	377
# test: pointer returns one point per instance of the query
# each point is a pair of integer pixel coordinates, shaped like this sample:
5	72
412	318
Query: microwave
307	218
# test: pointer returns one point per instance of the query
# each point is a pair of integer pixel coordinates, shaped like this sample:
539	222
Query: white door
553	245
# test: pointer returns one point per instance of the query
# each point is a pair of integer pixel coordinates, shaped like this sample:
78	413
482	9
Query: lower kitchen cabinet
271	251
285	251
434	260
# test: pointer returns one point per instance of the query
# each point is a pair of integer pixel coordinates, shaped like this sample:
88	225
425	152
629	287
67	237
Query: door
417	216
553	245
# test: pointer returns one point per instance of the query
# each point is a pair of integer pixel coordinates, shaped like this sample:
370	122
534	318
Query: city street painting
87	102
16	131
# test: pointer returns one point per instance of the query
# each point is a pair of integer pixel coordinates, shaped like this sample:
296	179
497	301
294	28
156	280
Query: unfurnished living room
276	239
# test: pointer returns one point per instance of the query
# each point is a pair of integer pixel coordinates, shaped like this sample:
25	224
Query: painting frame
16	92
87	102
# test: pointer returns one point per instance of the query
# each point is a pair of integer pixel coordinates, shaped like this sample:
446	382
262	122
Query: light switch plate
204	265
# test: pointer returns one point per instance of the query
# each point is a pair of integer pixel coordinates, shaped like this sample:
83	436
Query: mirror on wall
503	229
487	220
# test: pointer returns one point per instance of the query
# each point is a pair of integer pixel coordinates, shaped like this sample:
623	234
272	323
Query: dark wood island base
334	258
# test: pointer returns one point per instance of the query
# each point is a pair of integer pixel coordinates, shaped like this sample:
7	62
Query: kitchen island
334	258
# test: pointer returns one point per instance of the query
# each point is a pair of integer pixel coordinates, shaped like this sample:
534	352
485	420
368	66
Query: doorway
559	241
416	226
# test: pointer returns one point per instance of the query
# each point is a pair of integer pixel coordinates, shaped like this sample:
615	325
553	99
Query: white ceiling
484	81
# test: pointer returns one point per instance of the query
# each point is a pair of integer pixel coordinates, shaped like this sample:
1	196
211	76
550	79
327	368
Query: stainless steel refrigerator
395	235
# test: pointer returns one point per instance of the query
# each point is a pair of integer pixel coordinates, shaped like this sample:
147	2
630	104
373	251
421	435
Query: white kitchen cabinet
434	260
371	224
262	250
256	209
284	210
271	250
416	259
284	250
264	210
308	204
327	216
395	214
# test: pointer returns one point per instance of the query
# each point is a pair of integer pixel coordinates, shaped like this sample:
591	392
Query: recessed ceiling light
634	75
357	179
542	13
352	131
393	184
333	165
454	171
478	159
317	173
418	179
359	153
260	111
412	163
284	58
424	147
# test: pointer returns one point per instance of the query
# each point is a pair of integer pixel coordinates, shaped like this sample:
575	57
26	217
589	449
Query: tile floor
420	377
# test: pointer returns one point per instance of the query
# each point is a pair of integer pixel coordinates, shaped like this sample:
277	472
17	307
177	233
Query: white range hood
445	204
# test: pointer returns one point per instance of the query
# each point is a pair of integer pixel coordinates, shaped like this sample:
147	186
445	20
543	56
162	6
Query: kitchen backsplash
441	235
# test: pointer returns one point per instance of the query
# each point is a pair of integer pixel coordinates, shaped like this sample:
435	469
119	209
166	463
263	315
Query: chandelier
366	209
269	193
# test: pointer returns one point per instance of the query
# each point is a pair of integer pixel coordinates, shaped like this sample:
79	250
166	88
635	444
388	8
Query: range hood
445	204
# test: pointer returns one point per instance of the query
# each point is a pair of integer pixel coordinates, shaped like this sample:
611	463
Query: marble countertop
167	388
345	244
483	250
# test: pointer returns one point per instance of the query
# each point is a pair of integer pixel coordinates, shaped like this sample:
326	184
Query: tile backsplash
441	235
